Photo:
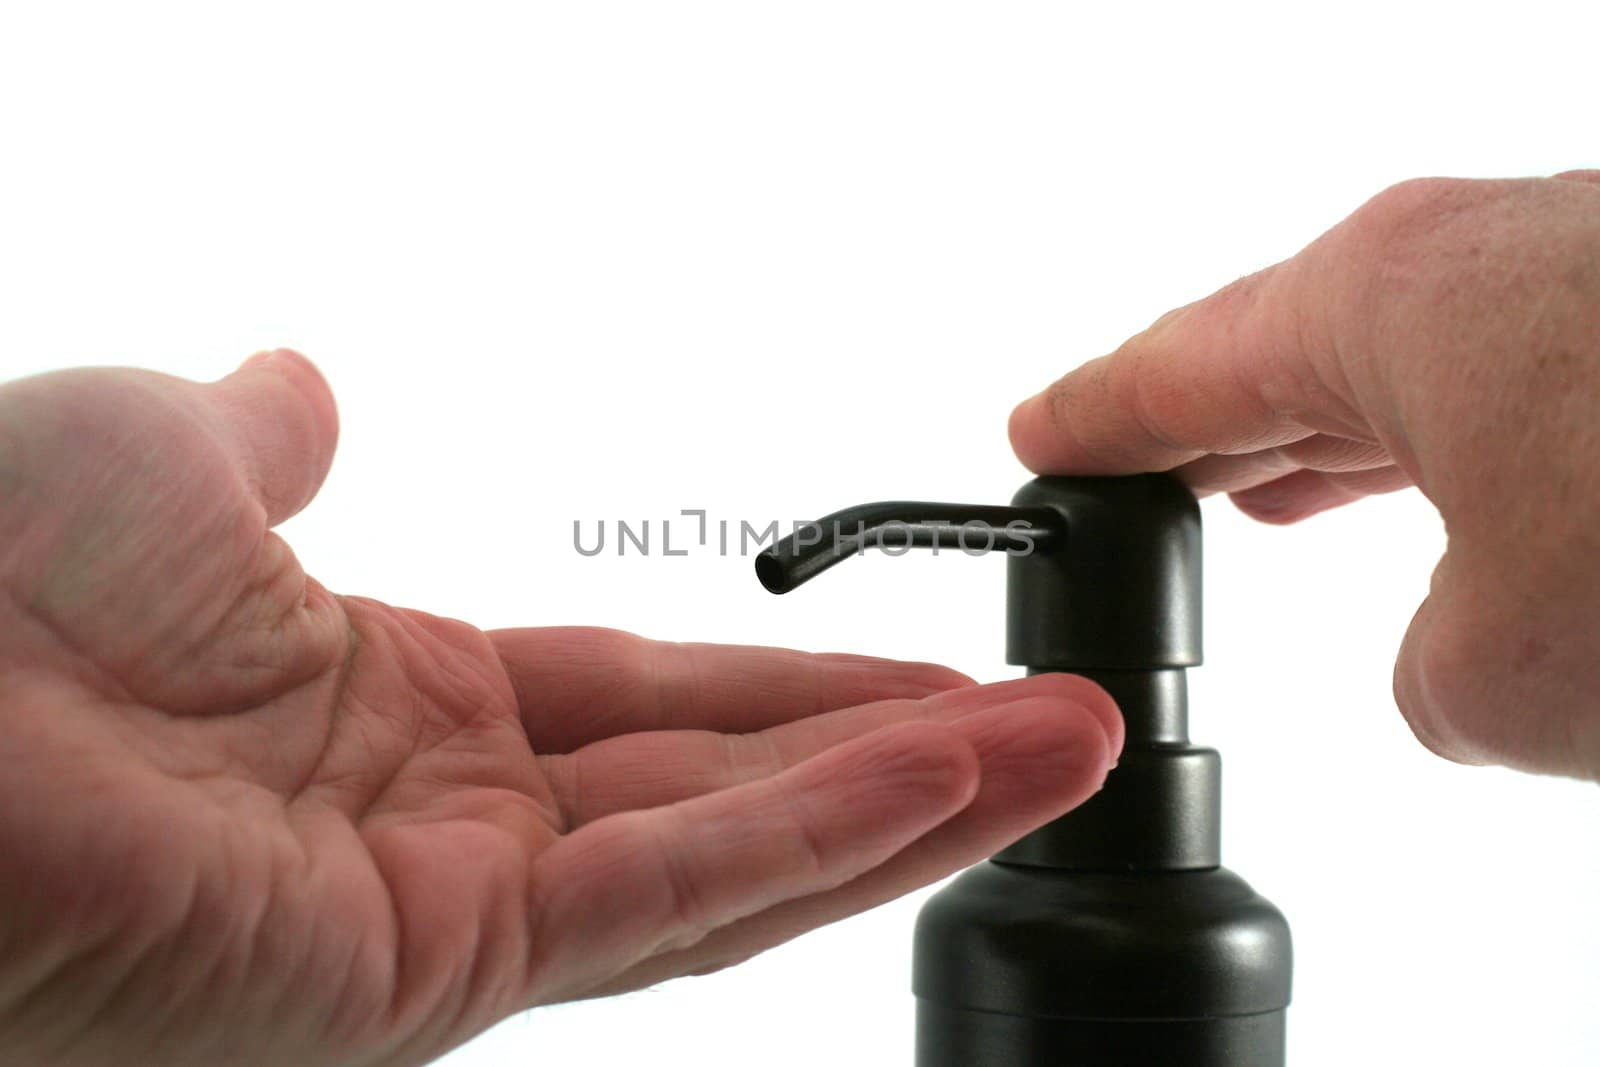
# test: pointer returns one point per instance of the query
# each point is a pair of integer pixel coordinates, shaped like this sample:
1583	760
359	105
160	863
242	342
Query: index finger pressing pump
1113	935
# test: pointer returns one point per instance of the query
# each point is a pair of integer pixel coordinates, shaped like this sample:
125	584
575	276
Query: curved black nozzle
1123	595
904	524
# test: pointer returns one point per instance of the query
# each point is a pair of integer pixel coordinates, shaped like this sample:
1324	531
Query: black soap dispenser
1112	936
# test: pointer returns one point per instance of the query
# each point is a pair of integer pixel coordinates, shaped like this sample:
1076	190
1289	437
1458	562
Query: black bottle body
1020	966
953	1037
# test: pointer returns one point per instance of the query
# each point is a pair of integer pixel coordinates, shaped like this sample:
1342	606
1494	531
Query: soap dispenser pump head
1104	573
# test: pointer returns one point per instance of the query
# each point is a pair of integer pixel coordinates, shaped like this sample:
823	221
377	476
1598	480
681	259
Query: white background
583	261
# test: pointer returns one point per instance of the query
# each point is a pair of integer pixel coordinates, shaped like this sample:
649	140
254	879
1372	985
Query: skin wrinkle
261	926
1293	392
536	707
462	995
537	962
404	627
257	601
379	805
345	1033
689	924
732	746
411	1001
1269	412
803	818
254	534
1319	395
349	789
773	759
696	683
395	1007
465	684
225	897
1139	407
102	679
1380	276
374	806
483	995
653	656
1058	406
251	934
216	525
340	689
37	987
575	769
107	999
818	687
363	808
65	635
220	951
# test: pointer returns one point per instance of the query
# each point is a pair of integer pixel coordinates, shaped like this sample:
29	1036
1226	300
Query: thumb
1417	671
281	426
1488	674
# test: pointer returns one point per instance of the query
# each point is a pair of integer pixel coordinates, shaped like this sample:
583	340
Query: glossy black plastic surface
1090	945
1123	591
973	528
954	1037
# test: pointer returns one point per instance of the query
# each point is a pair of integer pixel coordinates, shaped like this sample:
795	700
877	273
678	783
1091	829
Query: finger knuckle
1413	206
810	853
1401	228
689	911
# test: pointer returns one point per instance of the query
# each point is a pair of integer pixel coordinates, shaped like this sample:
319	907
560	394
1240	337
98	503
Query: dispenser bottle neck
1154	703
1161	806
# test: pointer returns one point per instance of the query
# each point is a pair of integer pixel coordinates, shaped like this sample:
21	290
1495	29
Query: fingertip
1426	669
1048	752
1028	431
1289	499
1085	423
1074	691
929	759
1270	507
1069	734
1408	694
308	381
1058	686
285	426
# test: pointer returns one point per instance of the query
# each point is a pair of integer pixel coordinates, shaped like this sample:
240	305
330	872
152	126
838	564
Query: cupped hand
1447	336
244	820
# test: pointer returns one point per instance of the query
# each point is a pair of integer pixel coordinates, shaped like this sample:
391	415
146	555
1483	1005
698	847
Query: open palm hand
245	820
